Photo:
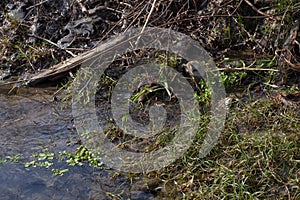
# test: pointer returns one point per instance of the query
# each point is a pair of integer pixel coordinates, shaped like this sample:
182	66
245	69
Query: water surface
30	121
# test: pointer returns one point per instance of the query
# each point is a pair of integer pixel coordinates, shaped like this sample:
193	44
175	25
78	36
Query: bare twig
118	22
49	41
83	8
258	11
246	69
237	7
137	16
11	82
148	17
35	5
94	10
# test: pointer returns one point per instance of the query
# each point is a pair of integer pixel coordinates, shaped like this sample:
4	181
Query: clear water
29	122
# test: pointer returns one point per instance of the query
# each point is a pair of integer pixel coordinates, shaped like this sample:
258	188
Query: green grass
20	53
258	157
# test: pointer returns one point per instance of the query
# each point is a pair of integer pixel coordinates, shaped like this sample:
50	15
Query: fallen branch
55	72
246	69
258	11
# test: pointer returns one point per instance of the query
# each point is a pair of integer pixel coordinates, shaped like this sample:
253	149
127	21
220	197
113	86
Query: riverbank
256	50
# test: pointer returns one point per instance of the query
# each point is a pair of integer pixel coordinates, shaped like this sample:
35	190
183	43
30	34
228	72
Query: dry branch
56	71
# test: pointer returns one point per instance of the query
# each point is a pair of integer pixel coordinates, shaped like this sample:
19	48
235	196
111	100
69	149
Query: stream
31	121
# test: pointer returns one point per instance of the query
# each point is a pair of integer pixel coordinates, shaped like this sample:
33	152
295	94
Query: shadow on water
30	122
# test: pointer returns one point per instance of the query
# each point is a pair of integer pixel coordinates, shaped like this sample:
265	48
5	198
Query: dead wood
57	71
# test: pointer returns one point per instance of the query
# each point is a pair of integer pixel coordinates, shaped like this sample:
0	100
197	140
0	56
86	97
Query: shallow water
31	121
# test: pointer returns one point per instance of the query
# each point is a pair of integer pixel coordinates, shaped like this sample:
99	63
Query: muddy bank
37	35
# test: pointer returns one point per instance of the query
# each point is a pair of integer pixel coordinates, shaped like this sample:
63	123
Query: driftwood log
61	69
